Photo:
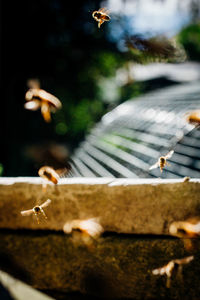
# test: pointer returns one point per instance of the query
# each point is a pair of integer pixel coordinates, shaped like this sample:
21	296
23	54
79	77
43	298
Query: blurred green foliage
1	169
74	60
189	37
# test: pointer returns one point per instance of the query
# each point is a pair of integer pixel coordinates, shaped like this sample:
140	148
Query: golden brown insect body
49	174
194	117
101	16
162	161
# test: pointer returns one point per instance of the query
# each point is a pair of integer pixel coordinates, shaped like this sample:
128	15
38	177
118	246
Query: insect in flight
49	174
84	231
186	179
36	210
37	98
189	228
162	161
168	269
91	227
193	117
101	16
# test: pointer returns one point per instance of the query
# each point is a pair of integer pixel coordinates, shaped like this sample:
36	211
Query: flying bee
188	231
36	210
37	98
91	227
84	231
186	179
49	174
168	269
101	16
162	161
189	228
193	117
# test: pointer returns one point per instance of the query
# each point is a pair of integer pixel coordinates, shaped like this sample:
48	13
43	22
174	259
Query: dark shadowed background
59	43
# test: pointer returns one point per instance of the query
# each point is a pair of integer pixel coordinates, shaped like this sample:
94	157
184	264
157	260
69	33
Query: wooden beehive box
135	215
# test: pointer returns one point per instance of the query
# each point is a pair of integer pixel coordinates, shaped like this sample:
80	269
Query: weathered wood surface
139	206
19	290
116	266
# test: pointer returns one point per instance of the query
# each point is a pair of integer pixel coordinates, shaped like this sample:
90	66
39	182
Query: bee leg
188	244
42	211
168	282
45	111
179	273
38	221
167	164
44	187
87	240
100	22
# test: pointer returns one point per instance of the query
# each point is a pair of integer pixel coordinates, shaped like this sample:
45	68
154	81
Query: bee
186	179
162	161
36	210
189	228
194	117
49	174
84	231
37	98
91	227
168	269
101	16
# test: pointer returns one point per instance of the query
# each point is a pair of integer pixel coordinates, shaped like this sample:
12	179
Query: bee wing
50	98
32	105
159	271
25	213
169	154
156	165
46	203
184	260
91	226
63	172
104	10
67	228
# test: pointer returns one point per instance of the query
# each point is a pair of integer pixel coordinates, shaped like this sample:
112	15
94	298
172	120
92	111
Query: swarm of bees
101	16
91	228
162	161
37	98
169	268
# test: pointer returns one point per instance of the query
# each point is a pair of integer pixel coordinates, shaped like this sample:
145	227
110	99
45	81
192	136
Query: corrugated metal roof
130	138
